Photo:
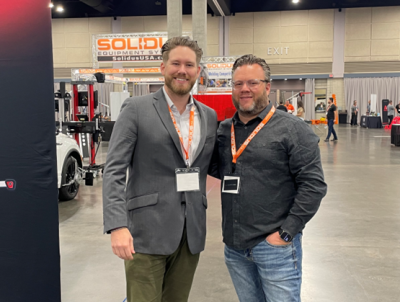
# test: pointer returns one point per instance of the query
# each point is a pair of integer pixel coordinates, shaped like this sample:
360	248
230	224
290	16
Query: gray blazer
144	142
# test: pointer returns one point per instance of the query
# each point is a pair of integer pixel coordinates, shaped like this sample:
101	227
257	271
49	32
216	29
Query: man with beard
272	185
157	219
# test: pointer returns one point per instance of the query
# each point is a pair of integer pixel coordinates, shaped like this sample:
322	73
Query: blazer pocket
142	201
205	201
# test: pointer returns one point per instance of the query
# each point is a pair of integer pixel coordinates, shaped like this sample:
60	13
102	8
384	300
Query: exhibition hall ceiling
116	8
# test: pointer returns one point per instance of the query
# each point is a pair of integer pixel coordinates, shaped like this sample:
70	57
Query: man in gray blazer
157	218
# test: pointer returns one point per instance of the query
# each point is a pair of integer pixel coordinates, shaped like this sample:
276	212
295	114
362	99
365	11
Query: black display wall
29	240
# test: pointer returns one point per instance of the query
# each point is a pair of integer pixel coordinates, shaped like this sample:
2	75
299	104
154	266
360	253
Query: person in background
354	112
390	112
369	107
398	108
300	110
281	106
330	115
289	107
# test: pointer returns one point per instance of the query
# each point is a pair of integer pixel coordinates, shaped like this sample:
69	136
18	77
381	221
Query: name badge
231	184
187	179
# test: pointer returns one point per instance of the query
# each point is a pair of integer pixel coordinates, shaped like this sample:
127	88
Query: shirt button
235	220
245	127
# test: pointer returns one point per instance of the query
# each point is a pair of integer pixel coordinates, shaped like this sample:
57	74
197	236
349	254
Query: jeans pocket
285	246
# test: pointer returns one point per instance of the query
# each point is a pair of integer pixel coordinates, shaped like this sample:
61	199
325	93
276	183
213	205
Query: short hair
390	102
251	60
331	99
181	41
280	102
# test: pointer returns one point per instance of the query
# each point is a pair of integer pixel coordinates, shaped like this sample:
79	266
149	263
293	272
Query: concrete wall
72	38
308	34
372	34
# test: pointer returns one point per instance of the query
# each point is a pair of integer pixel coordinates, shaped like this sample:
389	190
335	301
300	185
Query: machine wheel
70	169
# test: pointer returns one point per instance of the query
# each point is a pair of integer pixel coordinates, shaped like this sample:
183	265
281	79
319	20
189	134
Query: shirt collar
261	116
171	104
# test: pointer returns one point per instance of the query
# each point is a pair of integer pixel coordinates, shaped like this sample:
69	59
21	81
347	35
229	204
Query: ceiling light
51	5
295	1
285	79
301	79
60	9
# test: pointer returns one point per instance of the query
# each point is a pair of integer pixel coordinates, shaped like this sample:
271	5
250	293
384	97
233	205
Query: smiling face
250	102
180	71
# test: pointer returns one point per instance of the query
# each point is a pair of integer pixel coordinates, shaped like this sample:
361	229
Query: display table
395	135
371	121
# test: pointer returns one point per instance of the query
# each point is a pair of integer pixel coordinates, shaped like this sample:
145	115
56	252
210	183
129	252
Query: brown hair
251	60
181	41
300	104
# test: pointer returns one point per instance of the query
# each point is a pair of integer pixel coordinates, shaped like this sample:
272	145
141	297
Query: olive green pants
156	278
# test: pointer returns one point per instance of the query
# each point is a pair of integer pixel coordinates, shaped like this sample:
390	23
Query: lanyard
235	155
191	132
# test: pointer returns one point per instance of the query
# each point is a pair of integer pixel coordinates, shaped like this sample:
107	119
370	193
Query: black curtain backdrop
29	240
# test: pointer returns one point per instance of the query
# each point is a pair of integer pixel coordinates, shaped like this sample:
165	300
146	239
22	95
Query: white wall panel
242	20
389	14
321	16
358	15
294	17
100	25
263	20
132	24
73	25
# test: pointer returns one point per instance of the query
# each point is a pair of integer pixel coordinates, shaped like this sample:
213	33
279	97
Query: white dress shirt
183	121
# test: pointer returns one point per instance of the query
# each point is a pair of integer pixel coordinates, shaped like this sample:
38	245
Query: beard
179	89
256	107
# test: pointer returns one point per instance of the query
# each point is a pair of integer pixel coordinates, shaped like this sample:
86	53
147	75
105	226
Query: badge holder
231	185
187	179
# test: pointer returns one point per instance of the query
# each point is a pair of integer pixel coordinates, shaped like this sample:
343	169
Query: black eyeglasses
251	84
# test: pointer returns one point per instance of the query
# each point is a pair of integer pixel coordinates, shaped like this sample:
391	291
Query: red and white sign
129	47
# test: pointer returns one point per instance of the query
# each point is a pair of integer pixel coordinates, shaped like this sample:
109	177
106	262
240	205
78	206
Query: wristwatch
285	236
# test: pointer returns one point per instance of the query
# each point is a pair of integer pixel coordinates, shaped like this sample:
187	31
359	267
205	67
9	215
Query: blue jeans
266	273
331	130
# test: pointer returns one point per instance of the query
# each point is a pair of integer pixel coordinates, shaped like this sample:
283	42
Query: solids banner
139	47
385	103
29	241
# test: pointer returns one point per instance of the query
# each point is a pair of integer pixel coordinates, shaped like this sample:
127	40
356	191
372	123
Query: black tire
68	173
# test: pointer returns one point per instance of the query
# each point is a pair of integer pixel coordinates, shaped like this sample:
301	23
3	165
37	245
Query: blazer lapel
161	105
203	134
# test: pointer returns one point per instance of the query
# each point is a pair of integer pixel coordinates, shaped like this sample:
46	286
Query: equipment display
83	98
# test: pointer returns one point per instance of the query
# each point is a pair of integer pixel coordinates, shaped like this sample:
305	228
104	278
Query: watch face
286	237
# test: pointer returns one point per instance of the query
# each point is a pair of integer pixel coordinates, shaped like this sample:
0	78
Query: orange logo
130	43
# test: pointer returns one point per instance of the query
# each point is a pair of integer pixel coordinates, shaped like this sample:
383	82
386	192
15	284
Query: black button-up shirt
281	178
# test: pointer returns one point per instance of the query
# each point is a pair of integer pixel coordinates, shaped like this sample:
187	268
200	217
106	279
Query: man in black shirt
330	115
281	106
272	185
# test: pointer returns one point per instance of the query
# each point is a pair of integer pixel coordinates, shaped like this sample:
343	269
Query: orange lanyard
191	132
235	155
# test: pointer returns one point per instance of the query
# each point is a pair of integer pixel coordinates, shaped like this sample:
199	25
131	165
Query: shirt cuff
292	225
